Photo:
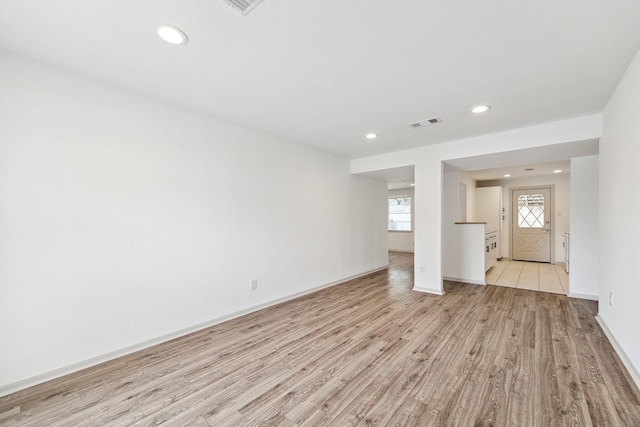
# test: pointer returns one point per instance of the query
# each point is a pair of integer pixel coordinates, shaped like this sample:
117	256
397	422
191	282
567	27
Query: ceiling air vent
243	6
425	122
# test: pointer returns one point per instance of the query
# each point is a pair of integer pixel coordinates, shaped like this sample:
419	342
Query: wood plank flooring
367	352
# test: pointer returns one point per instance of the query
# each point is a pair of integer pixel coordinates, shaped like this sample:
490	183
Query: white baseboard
428	291
457	279
635	375
84	364
583	296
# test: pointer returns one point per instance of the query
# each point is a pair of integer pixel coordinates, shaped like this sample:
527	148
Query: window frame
410	213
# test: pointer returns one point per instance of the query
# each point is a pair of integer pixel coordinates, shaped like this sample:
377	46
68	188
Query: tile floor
534	276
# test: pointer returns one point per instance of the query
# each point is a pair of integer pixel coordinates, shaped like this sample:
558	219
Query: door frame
552	214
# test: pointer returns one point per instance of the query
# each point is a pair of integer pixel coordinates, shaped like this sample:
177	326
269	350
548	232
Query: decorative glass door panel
531	210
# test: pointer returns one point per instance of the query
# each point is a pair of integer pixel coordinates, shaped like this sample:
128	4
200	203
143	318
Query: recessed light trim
412	184
557	171
372	135
172	35
480	109
507	175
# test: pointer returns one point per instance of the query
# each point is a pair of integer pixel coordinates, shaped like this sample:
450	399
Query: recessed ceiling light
481	109
172	35
557	171
507	175
372	135
412	184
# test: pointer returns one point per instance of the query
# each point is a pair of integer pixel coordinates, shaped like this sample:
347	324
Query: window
399	213
531	210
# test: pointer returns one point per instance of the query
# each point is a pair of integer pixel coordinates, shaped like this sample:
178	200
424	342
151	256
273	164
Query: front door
531	224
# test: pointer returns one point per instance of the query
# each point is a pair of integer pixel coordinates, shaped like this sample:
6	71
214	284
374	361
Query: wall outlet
254	284
422	270
610	299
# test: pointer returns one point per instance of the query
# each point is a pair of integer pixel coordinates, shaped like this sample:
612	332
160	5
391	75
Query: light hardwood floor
367	352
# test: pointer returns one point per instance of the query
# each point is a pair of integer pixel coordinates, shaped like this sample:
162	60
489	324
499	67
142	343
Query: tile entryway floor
534	276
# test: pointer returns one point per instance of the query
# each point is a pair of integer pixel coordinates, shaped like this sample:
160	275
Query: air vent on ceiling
528	169
425	122
243	6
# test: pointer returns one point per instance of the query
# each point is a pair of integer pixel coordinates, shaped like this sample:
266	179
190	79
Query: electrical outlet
422	270
610	299
254	284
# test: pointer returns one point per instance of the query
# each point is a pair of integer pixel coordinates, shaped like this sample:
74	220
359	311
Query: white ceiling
521	171
324	73
517	163
396	178
403	177
543	161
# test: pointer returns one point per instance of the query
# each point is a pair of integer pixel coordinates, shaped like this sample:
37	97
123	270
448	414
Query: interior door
531	224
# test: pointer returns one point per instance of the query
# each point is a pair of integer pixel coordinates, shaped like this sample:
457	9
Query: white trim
583	296
633	372
457	279
428	291
84	364
411	214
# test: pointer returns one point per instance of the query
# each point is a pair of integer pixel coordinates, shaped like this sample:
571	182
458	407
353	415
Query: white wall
489	209
560	213
428	178
126	221
470	183
584	245
462	245
402	241
619	226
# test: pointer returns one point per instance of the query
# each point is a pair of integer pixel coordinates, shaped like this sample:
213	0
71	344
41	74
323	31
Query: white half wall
125	220
464	259
619	226
584	243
